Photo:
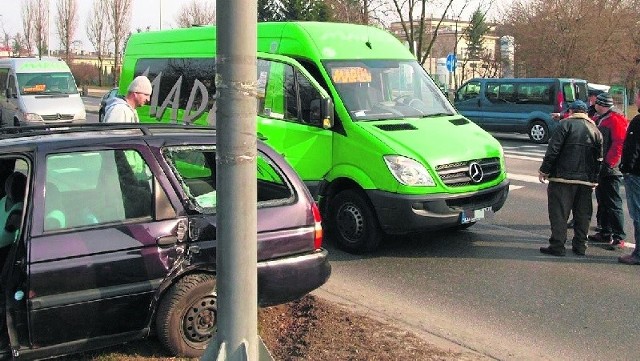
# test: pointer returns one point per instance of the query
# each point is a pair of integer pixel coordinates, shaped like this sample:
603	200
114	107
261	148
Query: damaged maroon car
109	235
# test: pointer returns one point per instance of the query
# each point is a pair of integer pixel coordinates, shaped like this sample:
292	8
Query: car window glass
96	187
469	91
4	75
47	83
195	169
14	180
535	93
12	84
569	92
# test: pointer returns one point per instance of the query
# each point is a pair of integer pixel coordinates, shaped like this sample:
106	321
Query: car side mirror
8	93
322	113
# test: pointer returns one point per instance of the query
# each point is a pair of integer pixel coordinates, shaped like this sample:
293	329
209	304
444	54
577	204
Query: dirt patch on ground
314	329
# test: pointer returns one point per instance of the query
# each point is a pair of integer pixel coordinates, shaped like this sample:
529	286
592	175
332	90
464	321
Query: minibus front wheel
353	223
538	132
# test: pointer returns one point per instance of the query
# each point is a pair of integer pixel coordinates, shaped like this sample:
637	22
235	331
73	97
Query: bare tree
373	12
196	12
573	38
18	45
40	9
413	19
66	24
98	32
28	19
119	18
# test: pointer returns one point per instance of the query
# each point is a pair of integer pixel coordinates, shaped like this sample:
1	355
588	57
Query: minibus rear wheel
538	132
353	223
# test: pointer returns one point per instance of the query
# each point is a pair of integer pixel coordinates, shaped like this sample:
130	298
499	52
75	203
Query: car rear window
195	169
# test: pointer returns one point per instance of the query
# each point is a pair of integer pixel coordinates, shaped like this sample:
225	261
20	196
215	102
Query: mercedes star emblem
475	172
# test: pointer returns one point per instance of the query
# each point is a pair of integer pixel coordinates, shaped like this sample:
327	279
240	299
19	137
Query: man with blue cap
571	166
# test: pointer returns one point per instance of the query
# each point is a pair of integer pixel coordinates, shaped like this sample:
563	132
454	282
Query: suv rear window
195	168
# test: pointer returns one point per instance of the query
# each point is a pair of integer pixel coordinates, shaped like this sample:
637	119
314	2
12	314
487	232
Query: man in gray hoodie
120	110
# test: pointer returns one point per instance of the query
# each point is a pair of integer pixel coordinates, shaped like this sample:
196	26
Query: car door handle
165	241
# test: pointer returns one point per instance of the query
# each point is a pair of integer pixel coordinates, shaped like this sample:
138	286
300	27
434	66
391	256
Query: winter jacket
630	162
613	127
118	110
574	152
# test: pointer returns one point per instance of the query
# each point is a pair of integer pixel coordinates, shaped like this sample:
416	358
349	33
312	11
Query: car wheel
16	122
353	223
100	116
187	315
539	132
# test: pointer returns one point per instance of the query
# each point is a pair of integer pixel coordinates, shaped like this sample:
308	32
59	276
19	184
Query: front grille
458	174
57	117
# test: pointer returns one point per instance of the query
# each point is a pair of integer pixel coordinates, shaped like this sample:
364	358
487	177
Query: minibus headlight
408	171
32	117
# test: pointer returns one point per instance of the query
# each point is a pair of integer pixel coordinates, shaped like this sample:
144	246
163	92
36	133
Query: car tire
353	223
538	132
187	315
100	117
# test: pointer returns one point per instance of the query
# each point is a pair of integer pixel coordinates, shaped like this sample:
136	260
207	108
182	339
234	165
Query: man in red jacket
613	127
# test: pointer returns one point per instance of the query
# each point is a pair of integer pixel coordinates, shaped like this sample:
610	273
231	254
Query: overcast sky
144	13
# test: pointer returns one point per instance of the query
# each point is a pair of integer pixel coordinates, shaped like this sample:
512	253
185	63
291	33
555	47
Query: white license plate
474	215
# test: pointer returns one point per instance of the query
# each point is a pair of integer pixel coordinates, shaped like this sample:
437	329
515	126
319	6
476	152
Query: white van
38	91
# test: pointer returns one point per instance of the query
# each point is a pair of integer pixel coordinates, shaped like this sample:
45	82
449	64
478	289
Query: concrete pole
236	261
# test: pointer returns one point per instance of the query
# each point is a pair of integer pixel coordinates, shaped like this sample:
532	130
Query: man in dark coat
571	166
630	167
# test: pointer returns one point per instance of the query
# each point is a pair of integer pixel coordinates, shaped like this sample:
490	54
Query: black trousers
610	208
565	198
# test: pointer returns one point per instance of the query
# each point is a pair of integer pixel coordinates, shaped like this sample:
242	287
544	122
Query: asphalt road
489	289
92	105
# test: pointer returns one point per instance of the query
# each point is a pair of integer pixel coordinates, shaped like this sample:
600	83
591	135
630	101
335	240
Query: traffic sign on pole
451	62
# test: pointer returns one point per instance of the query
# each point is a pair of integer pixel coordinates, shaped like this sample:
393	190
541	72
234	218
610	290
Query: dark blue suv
110	234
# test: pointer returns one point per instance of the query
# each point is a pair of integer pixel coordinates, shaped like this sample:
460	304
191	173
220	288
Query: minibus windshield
387	89
46	83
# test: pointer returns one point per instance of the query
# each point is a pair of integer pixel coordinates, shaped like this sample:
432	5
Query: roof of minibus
36	65
314	40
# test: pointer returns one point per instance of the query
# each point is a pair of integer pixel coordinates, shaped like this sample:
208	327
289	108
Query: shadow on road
480	242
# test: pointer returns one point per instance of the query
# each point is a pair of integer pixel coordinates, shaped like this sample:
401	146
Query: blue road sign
451	62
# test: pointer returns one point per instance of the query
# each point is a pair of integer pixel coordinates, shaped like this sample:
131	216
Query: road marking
523	157
523	178
513	188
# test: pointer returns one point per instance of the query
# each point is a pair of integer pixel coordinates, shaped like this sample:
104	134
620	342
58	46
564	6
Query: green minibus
377	143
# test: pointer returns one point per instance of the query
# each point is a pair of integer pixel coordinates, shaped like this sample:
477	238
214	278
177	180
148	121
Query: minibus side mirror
322	113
